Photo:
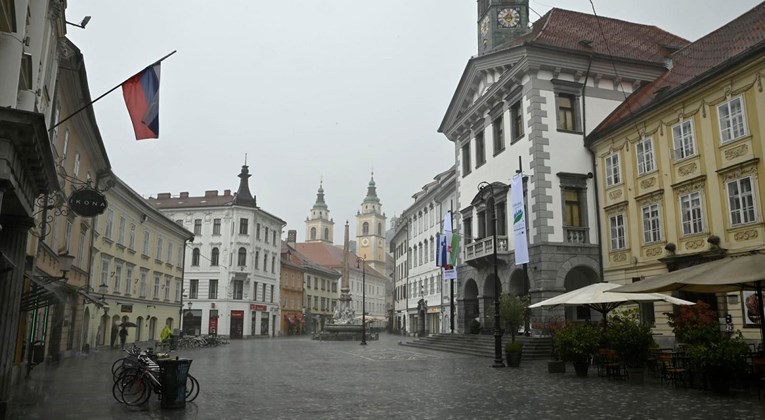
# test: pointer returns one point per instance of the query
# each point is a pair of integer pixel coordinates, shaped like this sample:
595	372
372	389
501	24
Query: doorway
237	324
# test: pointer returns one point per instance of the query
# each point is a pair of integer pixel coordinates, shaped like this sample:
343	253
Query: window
265	235
498	131
25	72
480	150
365	228
618	240
257	232
76	170
651	225
109	223
213	290
197	227
741	201
121	231
7	16
178	289
159	248
645	158
313	233
167	288
214	257
216	226
273	264
690	206
572	207
243	227
613	173
131	244
273	237
272	293
156	286
242	257
146	243
193	289
238	289
566	112
326	234
682	139
732	124
117	277
466	159
170	253
195	257
142	289
467	222
265	261
257	259
128	279
516	119
68	234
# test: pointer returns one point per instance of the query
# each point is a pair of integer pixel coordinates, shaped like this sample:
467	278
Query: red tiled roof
699	59
566	29
330	256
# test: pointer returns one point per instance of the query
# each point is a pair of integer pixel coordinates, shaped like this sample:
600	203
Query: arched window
379	229
195	257
365	228
313	233
326	234
214	256
242	257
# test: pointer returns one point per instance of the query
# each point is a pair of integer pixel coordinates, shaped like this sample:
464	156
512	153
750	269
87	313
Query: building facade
524	104
678	168
231	279
422	296
370	230
319	226
137	271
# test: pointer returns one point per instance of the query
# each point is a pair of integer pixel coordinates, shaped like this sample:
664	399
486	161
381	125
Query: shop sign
255	307
87	202
126	308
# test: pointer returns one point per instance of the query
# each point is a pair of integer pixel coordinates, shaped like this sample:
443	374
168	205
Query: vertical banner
519	220
446	242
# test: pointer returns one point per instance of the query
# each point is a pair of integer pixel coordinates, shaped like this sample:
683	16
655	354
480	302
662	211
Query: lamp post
82	23
363	300
497	284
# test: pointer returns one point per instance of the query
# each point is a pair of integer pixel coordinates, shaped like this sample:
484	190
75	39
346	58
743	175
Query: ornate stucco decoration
654	252
620	257
615	195
648	183
652	197
746	235
687	169
694	244
737	151
691	185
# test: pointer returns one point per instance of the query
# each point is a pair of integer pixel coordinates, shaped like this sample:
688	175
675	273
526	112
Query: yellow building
137	270
678	164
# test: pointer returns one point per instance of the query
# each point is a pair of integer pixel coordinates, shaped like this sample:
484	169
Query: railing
484	247
575	235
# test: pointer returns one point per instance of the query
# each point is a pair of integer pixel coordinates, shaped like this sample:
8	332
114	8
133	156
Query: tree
512	312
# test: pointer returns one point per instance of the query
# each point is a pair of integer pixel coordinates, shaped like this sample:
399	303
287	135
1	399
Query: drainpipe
594	171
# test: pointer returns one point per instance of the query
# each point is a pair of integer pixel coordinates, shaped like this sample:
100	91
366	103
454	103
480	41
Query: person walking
113	342
123	337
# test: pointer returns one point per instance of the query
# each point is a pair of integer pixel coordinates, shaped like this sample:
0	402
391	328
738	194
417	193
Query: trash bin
172	376
38	352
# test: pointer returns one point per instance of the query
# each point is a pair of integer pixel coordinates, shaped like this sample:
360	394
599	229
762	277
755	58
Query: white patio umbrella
598	297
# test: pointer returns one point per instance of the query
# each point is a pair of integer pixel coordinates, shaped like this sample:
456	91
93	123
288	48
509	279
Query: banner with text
519	220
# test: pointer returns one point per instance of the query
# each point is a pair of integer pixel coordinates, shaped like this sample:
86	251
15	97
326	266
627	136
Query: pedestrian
114	336
123	337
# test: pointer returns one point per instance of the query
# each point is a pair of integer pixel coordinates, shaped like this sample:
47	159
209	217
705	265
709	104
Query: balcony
481	251
575	235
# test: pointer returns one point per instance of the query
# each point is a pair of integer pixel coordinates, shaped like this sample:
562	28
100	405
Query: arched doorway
576	278
103	330
490	288
139	329
169	322
114	333
84	345
152	329
518	284
470	303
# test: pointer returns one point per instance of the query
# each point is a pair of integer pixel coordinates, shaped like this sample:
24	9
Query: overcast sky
308	89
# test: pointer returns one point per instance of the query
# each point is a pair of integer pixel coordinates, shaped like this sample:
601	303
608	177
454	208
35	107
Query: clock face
508	18
365	242
485	25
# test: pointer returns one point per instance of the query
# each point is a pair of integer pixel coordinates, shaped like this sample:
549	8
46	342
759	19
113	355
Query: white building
231	279
527	100
420	291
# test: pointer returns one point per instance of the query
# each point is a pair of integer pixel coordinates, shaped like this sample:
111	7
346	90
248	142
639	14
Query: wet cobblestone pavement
296	378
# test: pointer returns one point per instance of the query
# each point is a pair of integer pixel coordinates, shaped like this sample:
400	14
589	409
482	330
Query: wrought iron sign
87	202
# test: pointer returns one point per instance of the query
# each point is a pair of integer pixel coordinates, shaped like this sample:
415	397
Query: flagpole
526	282
107	92
451	282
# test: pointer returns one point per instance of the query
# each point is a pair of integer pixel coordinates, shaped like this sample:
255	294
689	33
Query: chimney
185	194
211	193
291	238
227	193
163	196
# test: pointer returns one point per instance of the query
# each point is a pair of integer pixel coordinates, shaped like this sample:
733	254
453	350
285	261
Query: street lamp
361	261
497	285
82	24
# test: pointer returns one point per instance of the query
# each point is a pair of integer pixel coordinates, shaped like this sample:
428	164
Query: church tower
499	21
370	229
319	227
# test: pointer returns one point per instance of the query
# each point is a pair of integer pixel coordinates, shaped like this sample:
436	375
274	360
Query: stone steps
534	348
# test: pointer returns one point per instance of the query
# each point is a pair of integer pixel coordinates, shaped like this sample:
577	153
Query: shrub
475	327
694	324
512	312
514	347
629	337
576	342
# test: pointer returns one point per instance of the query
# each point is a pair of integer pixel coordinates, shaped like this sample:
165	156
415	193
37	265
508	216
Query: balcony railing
485	247
575	235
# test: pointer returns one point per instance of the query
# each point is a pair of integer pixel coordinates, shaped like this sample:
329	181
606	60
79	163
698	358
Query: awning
98	301
45	291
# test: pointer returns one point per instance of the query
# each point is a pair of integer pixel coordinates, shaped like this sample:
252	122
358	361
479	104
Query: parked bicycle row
191	342
143	372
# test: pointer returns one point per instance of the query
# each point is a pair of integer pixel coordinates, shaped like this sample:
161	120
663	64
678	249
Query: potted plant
632	341
576	343
475	327
695	326
513	352
512	314
719	360
556	364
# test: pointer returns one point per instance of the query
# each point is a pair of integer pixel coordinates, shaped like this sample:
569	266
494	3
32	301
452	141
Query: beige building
678	167
137	270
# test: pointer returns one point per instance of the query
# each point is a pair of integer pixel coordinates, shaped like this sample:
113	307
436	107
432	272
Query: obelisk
344	313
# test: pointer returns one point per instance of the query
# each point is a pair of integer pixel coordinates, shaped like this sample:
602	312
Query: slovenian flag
141	94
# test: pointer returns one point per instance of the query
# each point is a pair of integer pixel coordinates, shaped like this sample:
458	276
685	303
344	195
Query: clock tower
370	229
499	21
319	227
